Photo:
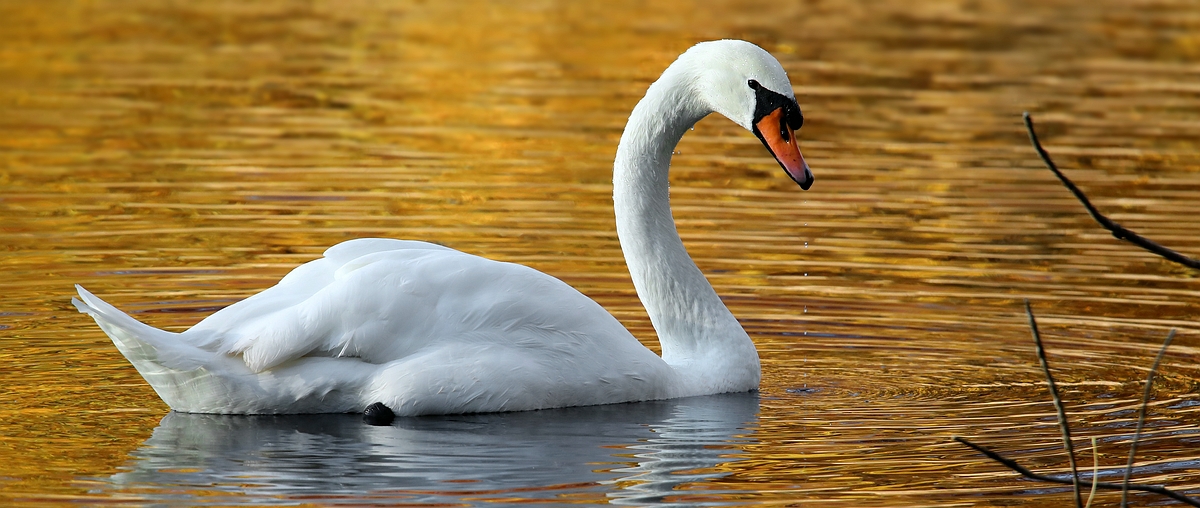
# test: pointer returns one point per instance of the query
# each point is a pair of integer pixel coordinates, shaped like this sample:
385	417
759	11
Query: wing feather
382	300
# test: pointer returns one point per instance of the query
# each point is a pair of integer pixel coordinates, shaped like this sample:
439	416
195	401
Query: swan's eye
753	84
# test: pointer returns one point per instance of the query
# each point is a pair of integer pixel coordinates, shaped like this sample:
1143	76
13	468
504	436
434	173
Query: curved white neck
700	338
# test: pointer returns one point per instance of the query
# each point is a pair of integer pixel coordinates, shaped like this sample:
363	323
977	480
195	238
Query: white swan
425	329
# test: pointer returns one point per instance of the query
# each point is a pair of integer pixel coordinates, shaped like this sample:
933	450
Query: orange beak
780	139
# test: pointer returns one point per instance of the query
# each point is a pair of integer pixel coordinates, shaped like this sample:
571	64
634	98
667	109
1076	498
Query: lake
176	157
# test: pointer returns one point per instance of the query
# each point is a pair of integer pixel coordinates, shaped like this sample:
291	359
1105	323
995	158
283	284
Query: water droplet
806	274
805	245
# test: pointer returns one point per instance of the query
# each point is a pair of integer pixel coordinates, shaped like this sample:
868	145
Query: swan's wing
382	301
297	286
352	249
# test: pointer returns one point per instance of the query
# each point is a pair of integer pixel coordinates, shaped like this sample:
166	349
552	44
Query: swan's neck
700	338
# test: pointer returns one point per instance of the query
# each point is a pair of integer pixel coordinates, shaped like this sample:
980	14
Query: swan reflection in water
632	454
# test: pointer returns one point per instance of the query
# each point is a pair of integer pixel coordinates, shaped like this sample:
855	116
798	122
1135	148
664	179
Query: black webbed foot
378	414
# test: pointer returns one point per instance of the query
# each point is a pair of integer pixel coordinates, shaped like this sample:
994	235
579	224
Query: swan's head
747	85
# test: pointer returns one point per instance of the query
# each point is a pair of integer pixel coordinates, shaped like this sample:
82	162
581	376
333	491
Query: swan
396	327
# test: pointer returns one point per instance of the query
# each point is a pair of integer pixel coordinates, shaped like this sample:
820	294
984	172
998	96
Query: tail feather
150	349
196	380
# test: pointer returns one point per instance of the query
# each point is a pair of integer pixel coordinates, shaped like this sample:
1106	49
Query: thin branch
1095	474
1142	416
1058	405
1117	230
1011	464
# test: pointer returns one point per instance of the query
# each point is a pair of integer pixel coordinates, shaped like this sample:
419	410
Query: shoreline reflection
627	454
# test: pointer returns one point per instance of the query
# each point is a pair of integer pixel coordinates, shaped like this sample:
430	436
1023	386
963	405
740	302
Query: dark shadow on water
633	454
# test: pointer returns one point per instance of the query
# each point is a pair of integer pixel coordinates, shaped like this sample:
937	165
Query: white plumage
425	329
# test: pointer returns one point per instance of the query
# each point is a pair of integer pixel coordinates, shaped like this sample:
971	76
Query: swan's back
383	300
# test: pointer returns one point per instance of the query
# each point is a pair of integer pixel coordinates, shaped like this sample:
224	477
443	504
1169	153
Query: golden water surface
175	157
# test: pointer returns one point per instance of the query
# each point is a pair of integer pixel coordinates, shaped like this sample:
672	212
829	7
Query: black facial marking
766	101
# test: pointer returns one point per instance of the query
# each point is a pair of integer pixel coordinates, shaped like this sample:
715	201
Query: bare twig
1011	464
1125	486
1095	474
1118	231
1142	416
1058	405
